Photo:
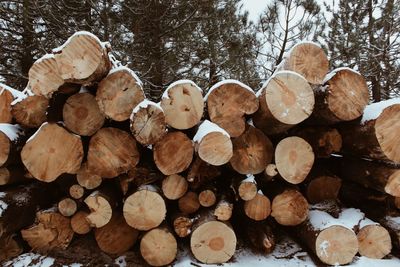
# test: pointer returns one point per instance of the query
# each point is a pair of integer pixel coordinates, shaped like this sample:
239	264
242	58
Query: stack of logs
82	151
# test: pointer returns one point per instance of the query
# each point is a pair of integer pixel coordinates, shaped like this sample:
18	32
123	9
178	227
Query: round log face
174	186
393	184
207	198
86	178
227	106
158	247
213	242
189	203
215	148
374	241
336	245
67	207
82	115
184	106
294	159
144	210
6	98
182	226
52	152
323	188
348	95
79	223
310	61
31	111
112	152
100	210
118	93
252	152
387	127
173	153
4	176
258	208
247	190
5	147
289	97
290	208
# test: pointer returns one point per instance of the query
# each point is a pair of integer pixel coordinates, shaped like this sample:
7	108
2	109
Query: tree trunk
183	104
9	248
174	186
228	102
289	208
374	241
322	187
285	100
31	111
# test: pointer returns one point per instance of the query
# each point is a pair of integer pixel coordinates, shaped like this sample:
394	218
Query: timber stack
84	152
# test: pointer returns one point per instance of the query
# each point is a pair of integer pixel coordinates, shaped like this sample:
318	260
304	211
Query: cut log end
215	148
223	211
207	198
271	170
336	245
31	111
247	190
5	148
6	98
100	210
174	186
158	247
374	241
294	159
67	207
323	188
88	179
183	226
189	203
290	208
76	191
259	208
79	224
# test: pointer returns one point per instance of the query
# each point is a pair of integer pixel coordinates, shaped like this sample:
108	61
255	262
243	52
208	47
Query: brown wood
116	237
88	179
145	209
259	235
174	186
248	188
294	159
285	100
270	172
224	209
391	223
52	152
101	204
375	138
227	104
173	153
148	123
82	59
31	111
82	115
118	93
324	140
374	241
158	247
212	241
309	60
259	208
112	152
76	191
289	208
342	98
201	173
12	138
51	231
11	175
9	248
182	225
79	224
207	198
252	152
6	98
189	203
323	187
183	104
67	207
44	76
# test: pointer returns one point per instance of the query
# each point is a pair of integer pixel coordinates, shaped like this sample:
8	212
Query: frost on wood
208	127
61	47
372	111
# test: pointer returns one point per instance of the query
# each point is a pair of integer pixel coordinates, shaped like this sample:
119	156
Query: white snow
394	220
27	92
215	86
131	72
249	179
374	110
207	127
281	72
3	205
17	95
31	260
260	192
61	47
12	131
144	104
304	42
46	56
165	94
38	130
250	122
324	246
333	73
120	261
83	89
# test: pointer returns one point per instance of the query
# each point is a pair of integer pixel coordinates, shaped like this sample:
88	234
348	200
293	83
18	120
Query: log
9	248
182	225
323	140
247	188
52	151
201	173
213	144
224	208
207	197
323	187
183	104
11	175
259	236
11	141
148	123
31	111
112	152
54	112
76	191
79	224
174	186
289	208
44	76
67	207
82	115
259	208
309	60
173	153
294	159
82	59
342	98
286	99
270	172
189	203
227	104
374	241
118	93
86	178
116	237
6	98
392	224
375	135
212	241
252	152
145	209
158	247
101	204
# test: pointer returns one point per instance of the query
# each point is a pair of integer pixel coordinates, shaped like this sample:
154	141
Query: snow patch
61	47
47	56
83	89
144	104
373	111
250	122
249	179
165	94
17	95
304	42
207	127
38	130
260	192
131	72
121	261
335	71
393	220
12	131
32	260
215	86
281	72
3	205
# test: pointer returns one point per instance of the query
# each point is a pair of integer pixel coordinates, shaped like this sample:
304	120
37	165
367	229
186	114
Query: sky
255	7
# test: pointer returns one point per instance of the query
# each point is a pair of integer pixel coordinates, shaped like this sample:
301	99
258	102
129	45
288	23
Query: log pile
83	152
